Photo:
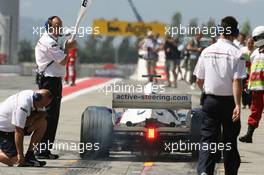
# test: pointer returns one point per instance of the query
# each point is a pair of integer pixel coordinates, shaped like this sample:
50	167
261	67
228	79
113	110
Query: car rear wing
152	101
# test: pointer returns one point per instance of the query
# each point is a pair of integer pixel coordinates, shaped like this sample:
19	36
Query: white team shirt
15	110
46	50
147	43
218	65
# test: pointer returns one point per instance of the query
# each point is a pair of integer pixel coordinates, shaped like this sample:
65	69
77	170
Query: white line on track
89	89
77	81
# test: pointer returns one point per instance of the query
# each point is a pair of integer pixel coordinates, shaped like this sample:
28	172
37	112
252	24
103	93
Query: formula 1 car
149	124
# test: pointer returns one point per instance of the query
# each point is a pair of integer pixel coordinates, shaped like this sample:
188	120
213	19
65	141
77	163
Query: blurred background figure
247	51
212	41
172	62
158	43
241	40
149	53
194	48
70	75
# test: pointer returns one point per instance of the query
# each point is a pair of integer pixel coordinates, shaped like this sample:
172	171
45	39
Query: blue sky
151	10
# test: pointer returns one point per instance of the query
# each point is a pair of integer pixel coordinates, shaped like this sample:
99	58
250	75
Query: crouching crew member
21	114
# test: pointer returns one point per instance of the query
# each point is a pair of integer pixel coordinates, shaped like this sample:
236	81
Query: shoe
47	155
192	87
31	161
246	139
175	84
168	84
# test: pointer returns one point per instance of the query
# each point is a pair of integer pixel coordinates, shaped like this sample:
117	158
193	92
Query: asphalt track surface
120	163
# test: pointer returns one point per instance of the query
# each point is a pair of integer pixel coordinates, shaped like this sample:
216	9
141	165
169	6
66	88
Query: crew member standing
71	68
51	61
256	84
219	73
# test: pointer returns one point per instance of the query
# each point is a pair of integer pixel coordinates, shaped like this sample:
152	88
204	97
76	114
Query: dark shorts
151	63
7	143
171	64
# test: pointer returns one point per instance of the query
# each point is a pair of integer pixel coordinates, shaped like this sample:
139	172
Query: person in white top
21	114
241	40
218	66
219	72
48	49
51	61
148	50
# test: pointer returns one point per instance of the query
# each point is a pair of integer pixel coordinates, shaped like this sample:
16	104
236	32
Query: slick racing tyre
96	132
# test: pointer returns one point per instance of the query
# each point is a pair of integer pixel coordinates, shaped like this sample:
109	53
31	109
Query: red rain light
151	133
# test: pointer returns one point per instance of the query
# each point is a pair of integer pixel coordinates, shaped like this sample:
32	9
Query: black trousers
7	144
218	111
246	98
54	85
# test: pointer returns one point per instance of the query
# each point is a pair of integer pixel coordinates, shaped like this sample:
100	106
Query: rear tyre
96	132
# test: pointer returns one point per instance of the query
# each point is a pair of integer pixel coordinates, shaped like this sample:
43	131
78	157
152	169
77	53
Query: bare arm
68	47
19	138
237	92
200	83
64	61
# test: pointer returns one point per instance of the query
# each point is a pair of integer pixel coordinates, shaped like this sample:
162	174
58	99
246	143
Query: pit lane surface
121	163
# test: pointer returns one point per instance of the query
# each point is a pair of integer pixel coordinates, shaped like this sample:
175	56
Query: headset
48	22
37	97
